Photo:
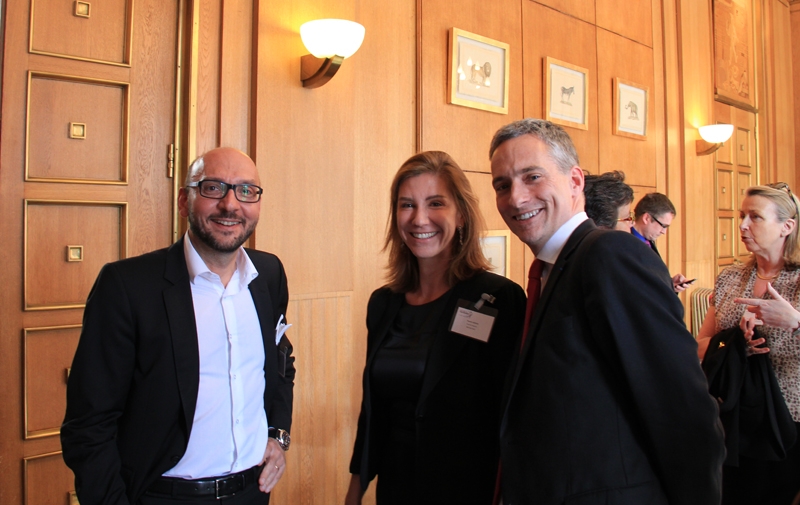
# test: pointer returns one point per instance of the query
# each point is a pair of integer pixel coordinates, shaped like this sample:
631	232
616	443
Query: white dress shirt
230	430
551	250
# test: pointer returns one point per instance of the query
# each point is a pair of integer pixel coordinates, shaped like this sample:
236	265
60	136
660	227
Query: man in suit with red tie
607	402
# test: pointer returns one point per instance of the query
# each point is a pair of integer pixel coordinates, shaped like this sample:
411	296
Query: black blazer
132	391
458	411
608	403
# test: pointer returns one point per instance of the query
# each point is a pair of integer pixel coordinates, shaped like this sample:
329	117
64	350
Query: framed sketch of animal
478	72
630	109
566	97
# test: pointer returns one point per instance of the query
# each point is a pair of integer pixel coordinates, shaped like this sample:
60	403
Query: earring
461	235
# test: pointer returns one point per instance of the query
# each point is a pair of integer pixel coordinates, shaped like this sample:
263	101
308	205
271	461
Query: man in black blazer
181	386
607	402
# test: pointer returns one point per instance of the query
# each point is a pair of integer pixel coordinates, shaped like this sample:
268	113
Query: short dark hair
558	142
605	194
468	258
655	204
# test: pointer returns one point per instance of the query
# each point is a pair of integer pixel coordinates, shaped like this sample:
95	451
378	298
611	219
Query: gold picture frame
631	109
566	94
496	247
478	72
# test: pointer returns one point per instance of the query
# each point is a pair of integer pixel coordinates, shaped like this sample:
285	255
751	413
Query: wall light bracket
329	41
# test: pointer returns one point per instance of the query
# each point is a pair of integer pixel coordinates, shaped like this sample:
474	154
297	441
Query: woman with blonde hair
762	298
441	334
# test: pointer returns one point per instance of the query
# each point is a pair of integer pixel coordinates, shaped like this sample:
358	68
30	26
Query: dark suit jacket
458	411
608	403
133	387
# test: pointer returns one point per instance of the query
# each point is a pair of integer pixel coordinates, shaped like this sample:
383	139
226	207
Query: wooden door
88	118
736	170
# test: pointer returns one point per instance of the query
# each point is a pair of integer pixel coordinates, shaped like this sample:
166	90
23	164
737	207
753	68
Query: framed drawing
566	97
495	246
734	79
630	109
478	72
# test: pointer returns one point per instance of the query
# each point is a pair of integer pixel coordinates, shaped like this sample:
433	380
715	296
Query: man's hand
274	466
679	283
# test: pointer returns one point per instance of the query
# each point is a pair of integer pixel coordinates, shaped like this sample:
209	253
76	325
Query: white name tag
472	323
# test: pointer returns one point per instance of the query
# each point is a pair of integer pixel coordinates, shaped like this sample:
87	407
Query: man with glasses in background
181	387
651	218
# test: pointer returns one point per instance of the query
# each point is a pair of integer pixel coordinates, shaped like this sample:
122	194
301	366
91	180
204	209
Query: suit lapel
541	307
263	302
180	313
393	305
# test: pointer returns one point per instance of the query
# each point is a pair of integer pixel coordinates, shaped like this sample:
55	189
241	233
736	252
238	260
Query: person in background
181	387
432	384
607	402
764	293
608	200
652	216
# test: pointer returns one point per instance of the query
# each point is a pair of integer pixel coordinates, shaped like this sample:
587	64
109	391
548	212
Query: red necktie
534	292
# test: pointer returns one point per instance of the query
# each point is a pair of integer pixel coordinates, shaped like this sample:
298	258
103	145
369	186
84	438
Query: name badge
473	322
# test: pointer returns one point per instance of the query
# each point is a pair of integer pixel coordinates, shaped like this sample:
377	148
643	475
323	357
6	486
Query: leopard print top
738	281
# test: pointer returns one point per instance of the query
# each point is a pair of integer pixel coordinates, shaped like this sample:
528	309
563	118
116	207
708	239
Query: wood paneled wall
327	156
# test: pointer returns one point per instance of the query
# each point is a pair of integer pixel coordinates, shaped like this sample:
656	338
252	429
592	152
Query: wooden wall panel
550	33
322	432
622	58
463	132
633	21
784	137
580	9
209	76
795	44
235	74
698	190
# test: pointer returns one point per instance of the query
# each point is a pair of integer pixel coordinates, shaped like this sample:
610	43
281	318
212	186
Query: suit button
420	418
176	459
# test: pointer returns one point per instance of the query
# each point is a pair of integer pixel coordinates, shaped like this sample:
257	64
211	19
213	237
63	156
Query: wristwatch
281	436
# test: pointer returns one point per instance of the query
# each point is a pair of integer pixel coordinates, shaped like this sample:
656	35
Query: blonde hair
467	255
787	206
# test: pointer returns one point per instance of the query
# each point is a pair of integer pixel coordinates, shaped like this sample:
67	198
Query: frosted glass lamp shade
716	133
326	38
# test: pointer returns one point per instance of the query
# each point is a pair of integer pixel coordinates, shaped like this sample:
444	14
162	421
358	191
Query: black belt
220	487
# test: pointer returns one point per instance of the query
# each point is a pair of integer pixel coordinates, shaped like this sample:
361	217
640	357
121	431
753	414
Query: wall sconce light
713	136
329	41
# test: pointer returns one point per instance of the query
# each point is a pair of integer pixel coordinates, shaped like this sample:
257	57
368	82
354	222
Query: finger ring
276	467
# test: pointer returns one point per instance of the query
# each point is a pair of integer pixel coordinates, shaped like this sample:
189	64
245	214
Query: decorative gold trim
506	236
47	432
123	243
453	67
25	461
127	52
546	74
126	119
82	9
77	131
178	162
74	253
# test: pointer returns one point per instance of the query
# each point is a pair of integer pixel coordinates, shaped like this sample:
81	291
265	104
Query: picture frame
566	94
631	109
734	54
496	248
478	72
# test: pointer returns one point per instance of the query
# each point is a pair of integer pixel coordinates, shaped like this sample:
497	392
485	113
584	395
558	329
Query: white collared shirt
551	250
230	430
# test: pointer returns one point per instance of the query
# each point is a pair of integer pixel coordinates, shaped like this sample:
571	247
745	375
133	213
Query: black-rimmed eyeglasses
245	193
659	222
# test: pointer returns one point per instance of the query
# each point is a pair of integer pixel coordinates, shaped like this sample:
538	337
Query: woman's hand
776	312
748	325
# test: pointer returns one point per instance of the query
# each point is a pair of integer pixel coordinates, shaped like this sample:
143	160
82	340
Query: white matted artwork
478	72
566	98
495	246
630	109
